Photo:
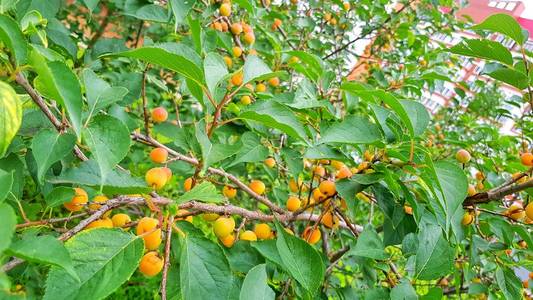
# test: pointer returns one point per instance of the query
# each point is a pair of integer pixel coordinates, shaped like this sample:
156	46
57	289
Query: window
501	4
493	3
510	6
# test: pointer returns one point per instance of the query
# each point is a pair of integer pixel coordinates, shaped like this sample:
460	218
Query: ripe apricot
229	191
183	212
337	164
247	28
480	185
151	234
249	38
471	190
217	26
408	209
479	175
156	178
246	100
311	236
257	186
210	217
368	156
276	24
467	219
119	220
159	115
262	231
346	5
260	88
319	171
274	81
224	26
293	203
516	211
270	162
236	28
525	283
78	201
527	159
522	244
151	264
344	172
522	179
225	9
318	196
228	61
248	235
159	155
228	240
293	60
329	220
223	227
237	78
168	172
463	156
101	223
237	52
529	210
187	184
327	188
294	186
97	202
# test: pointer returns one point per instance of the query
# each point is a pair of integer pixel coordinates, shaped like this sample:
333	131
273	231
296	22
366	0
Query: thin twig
168	230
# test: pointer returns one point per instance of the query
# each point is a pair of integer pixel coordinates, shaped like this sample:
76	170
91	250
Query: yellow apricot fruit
346	5
248	235
246	100
151	264
293	203
294	2
273	82
101	223
228	61
327	16
311	236
294	186
236	28
270	162
249	38
247	28
318	196
530	275
529	210
252	52
319	171
276	24
228	240
516	211
329	220
237	78
480	185
344	172
217	26
159	155
468	218
237	52
479	175
119	220
324	161
223	227
471	191
159	115
408	209
262	231
257	186
525	283
327	188
156	178
229	191
225	9
293	60
187	184
519	178
78	201
260	88
527	159
337	164
168	172
147	227
463	156
522	244
97	202
224	26
210	217
183	212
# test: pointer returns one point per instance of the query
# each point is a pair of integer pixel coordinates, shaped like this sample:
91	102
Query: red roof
526	24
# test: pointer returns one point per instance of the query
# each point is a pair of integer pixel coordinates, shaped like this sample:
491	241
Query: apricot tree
195	149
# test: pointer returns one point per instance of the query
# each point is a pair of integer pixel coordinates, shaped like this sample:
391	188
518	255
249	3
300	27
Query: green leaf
310	65
205	192
301	260
103	260
251	150
403	291
509	284
418	115
9	221
485	49
10	116
59	195
246	4
243	257
255	285
174	58
91	4
510	76
109	141
434	257
180	9
88	174
57	81
204	269
504	24
99	93
12	37
369	244
44	249
268	250
352	130
50	146
323	152
275	115
6	5
255	69
6	182
215	70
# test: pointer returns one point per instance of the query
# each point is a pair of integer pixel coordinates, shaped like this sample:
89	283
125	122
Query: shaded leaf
49	146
